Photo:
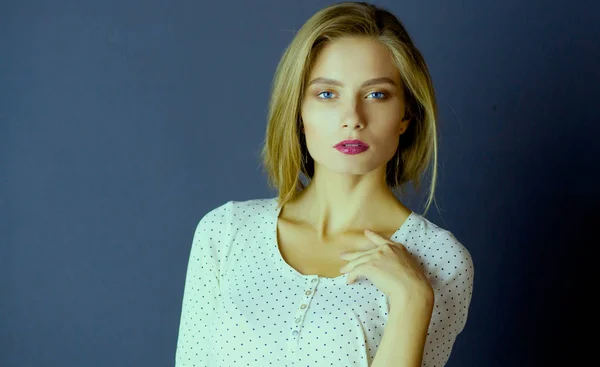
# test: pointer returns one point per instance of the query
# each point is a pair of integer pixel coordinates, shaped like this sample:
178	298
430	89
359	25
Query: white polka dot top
243	305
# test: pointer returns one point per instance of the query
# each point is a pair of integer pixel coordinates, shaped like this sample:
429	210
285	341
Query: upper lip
352	141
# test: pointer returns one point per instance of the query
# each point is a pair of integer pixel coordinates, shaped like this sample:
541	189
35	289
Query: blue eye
380	93
324	92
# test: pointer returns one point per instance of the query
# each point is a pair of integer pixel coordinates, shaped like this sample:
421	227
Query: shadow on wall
551	182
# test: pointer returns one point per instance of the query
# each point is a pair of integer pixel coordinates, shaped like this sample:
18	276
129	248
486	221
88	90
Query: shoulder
253	206
440	252
218	228
449	268
236	212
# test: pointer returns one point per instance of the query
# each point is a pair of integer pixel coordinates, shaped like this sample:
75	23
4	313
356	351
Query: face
354	91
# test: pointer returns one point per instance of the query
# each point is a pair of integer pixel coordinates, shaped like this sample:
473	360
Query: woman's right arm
201	290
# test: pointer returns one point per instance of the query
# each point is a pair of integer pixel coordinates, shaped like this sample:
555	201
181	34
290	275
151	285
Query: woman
353	109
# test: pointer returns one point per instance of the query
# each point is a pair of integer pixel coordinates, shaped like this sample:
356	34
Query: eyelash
385	95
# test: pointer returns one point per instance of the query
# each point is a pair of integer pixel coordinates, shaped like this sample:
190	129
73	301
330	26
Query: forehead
352	59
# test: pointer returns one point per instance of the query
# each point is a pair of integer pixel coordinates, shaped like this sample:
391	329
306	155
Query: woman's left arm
405	333
452	281
428	306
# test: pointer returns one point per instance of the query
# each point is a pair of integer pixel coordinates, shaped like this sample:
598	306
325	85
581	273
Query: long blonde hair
284	153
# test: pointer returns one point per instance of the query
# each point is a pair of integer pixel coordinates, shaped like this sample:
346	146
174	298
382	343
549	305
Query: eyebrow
382	80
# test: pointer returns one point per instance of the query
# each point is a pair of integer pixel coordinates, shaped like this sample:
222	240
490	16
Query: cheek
312	111
388	139
318	122
315	135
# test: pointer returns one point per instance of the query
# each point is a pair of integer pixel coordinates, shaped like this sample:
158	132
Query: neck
338	204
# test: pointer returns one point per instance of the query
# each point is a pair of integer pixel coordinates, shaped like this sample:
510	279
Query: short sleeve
201	289
452	281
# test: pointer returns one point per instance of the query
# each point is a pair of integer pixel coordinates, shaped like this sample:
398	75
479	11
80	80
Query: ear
404	125
405	122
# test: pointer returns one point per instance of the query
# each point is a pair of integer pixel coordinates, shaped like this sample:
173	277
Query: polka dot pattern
243	305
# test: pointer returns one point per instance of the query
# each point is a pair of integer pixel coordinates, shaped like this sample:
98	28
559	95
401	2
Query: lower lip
352	150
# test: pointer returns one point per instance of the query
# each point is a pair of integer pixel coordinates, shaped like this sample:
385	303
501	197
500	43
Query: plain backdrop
123	122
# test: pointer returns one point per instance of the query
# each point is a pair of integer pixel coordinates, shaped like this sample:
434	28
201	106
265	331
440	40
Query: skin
355	91
348	193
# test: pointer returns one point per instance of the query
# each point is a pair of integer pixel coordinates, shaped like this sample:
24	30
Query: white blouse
243	305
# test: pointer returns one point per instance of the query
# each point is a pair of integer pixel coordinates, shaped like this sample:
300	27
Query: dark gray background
123	122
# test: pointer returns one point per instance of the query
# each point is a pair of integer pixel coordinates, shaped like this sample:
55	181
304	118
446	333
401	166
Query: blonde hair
284	153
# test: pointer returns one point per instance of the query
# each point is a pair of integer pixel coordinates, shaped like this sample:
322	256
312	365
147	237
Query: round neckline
289	270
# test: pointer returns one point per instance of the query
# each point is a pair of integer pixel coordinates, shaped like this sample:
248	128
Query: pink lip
351	149
352	141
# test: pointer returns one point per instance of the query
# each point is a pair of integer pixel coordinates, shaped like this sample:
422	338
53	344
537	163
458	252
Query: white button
314	280
295	333
298	320
303	307
308	293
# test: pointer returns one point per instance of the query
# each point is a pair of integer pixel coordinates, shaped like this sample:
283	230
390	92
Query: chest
303	252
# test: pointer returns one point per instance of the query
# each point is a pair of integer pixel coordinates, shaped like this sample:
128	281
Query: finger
355	273
354	263
349	256
377	238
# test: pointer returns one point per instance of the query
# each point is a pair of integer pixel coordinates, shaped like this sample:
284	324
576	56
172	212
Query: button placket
301	312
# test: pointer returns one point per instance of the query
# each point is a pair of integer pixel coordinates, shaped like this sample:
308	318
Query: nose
354	125
353	118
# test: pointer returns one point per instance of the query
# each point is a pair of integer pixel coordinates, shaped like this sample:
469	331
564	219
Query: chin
352	169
